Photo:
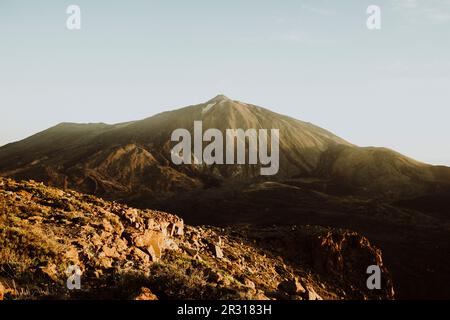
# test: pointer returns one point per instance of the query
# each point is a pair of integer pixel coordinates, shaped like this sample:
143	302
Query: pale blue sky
314	60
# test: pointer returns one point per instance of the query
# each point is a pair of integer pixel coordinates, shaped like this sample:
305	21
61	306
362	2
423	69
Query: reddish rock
145	294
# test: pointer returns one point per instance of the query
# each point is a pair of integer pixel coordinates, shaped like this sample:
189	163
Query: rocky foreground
125	253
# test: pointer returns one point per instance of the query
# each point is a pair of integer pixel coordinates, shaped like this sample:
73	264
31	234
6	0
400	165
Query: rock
151	224
193	237
141	255
153	241
49	272
312	295
170	244
104	261
218	252
231	255
347	255
292	287
131	215
121	245
98	273
72	255
190	251
249	284
145	294
215	277
218	240
246	282
96	240
152	254
113	225
176	229
260	295
110	251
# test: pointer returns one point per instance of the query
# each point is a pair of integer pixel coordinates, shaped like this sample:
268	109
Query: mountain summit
218	98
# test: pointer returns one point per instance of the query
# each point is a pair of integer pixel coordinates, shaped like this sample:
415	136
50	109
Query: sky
314	60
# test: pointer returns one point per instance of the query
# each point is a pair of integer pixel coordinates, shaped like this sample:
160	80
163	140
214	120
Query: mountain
133	160
400	204
126	253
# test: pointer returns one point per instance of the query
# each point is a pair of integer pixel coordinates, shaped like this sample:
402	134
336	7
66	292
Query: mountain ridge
54	155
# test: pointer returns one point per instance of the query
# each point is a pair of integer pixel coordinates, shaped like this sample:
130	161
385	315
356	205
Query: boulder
176	228
152	241
292	287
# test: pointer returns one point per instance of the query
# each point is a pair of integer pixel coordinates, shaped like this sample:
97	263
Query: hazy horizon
311	60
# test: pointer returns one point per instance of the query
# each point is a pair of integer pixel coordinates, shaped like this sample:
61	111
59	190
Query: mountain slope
415	243
125	253
132	160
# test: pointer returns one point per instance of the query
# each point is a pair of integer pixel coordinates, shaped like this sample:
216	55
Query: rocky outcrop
347	255
52	229
339	257
122	252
